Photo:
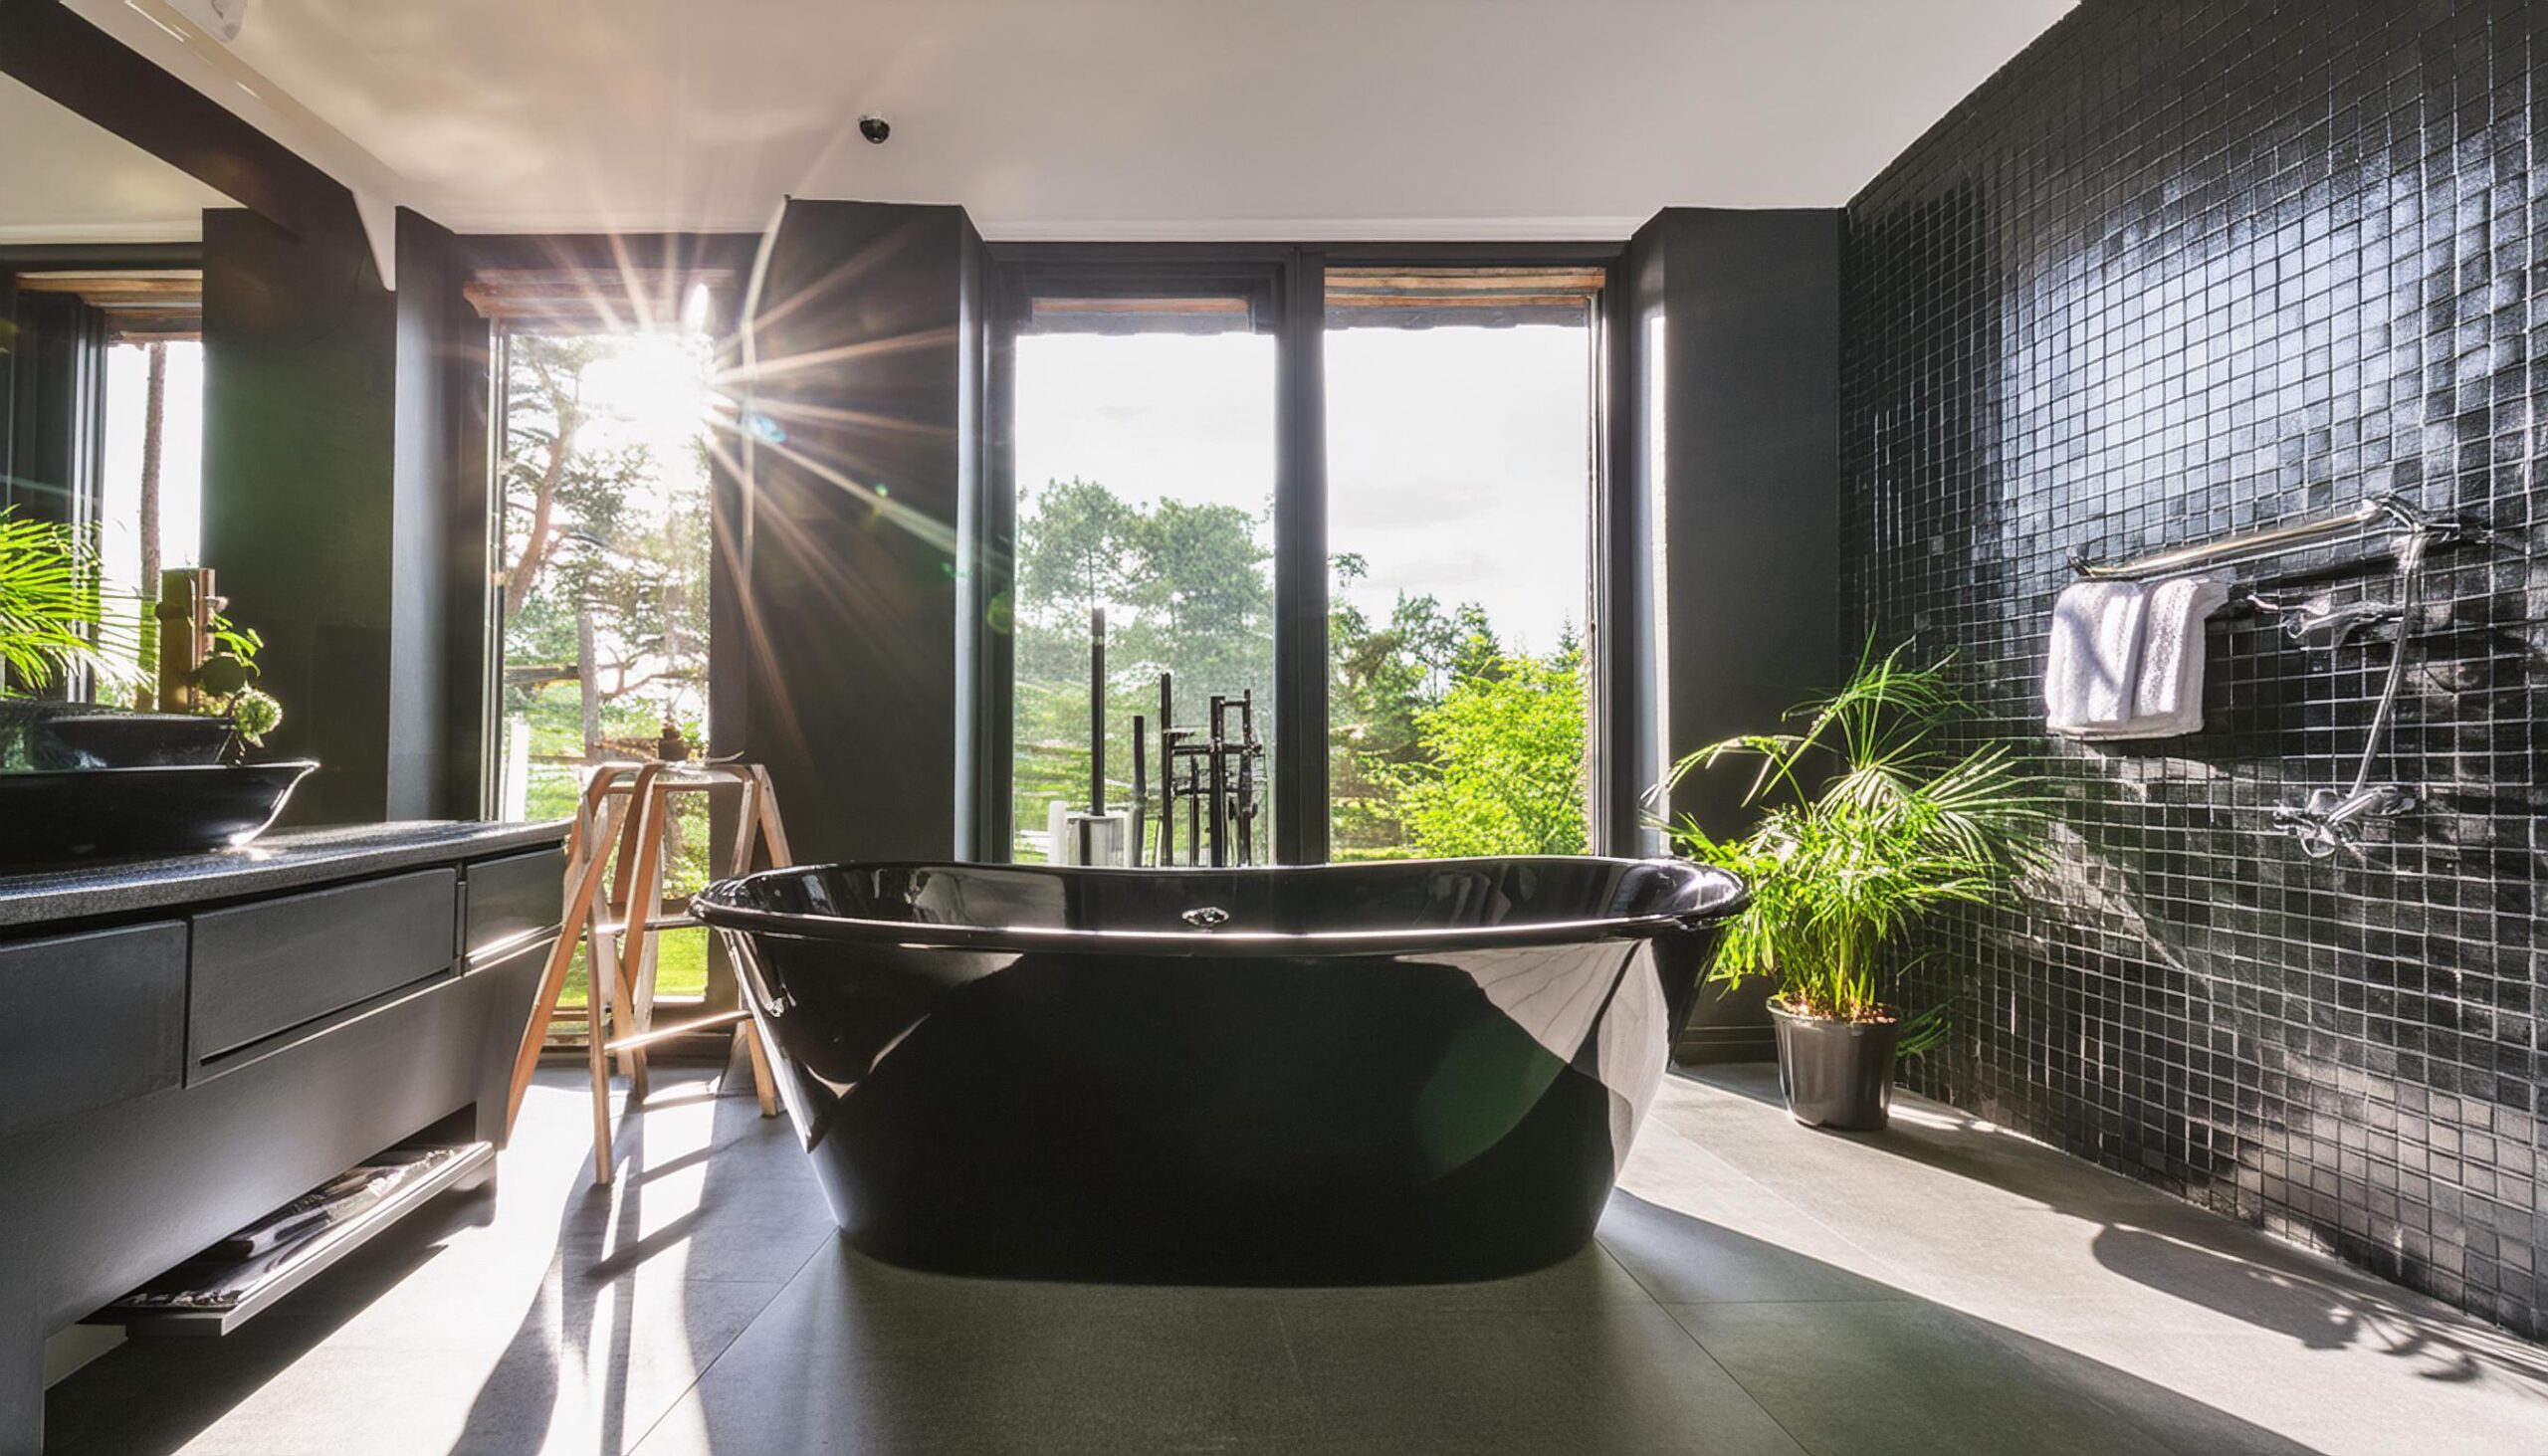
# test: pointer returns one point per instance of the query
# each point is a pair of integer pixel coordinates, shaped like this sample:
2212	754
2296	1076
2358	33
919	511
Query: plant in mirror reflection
56	621
1869	821
226	683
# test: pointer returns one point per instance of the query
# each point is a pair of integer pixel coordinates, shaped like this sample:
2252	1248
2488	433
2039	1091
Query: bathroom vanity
198	1040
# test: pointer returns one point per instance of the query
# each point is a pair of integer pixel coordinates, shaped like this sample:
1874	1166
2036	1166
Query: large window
603	581
1408	541
1460	429
1143	436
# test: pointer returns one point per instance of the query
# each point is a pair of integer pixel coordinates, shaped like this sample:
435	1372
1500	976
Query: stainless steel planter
1835	1073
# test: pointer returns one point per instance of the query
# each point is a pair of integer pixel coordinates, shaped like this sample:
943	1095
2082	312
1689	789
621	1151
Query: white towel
2094	658
2166	691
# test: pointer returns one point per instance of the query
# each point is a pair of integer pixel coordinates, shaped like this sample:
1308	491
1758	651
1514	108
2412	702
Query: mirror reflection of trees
1442	739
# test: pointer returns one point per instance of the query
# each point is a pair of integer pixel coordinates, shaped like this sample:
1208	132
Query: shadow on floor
588	1309
1866	1367
2277	1288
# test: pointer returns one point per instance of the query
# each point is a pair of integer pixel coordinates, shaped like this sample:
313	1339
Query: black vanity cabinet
193	1042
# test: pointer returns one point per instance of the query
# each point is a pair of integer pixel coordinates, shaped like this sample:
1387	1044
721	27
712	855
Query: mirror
102	370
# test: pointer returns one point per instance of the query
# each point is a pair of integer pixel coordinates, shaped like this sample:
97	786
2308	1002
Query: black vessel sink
81	812
107	739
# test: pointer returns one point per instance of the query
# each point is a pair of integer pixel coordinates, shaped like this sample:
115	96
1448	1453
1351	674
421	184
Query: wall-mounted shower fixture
2330	818
2316	621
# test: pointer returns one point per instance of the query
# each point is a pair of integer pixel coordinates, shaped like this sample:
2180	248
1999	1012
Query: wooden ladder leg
764	1082
596	1032
603	1003
609	945
597	988
773	832
772	827
747	831
641	985
747	825
571	931
636	946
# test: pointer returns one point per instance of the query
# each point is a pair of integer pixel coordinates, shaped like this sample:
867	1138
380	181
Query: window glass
603	581
1145	469
1459	511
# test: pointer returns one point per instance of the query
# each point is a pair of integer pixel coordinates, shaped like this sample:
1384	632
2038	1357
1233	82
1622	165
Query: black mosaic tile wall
2182	268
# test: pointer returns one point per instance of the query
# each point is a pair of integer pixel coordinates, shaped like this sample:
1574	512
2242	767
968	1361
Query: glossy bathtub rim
717	905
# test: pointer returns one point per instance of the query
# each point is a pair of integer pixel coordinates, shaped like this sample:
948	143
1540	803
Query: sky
1457	459
180	459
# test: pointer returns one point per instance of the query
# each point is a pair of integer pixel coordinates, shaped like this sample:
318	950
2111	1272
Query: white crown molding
176	45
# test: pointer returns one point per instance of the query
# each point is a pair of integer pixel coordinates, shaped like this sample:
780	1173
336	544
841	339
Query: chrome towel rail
2329	820
2379	516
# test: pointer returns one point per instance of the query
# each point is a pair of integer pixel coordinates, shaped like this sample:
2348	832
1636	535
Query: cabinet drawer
511	899
267	967
93	1019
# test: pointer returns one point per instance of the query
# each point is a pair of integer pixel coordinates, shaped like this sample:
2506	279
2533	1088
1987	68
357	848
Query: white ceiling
64	179
1129	119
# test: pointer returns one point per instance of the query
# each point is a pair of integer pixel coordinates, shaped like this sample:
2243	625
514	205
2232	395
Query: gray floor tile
1679	1258
1890	1376
851	1358
1622	1378
995	1368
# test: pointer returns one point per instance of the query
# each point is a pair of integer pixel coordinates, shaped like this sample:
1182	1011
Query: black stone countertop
282	860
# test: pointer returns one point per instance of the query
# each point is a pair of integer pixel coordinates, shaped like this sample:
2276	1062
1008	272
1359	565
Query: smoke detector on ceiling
219	19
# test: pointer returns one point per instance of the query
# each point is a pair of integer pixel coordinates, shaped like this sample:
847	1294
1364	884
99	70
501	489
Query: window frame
618	264
1293	276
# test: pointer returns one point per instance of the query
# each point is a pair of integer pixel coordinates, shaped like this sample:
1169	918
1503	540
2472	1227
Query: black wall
344	507
836	637
1735	318
2182	268
300	524
441	598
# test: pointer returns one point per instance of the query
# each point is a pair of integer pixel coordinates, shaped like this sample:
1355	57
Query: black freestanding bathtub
1340	1073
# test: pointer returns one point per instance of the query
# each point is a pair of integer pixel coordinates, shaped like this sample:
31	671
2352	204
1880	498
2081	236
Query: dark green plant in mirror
227	682
1869	821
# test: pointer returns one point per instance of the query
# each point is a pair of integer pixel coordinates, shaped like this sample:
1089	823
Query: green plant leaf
1869	822
56	617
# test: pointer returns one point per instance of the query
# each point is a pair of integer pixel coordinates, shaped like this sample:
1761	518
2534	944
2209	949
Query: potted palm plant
1868	822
